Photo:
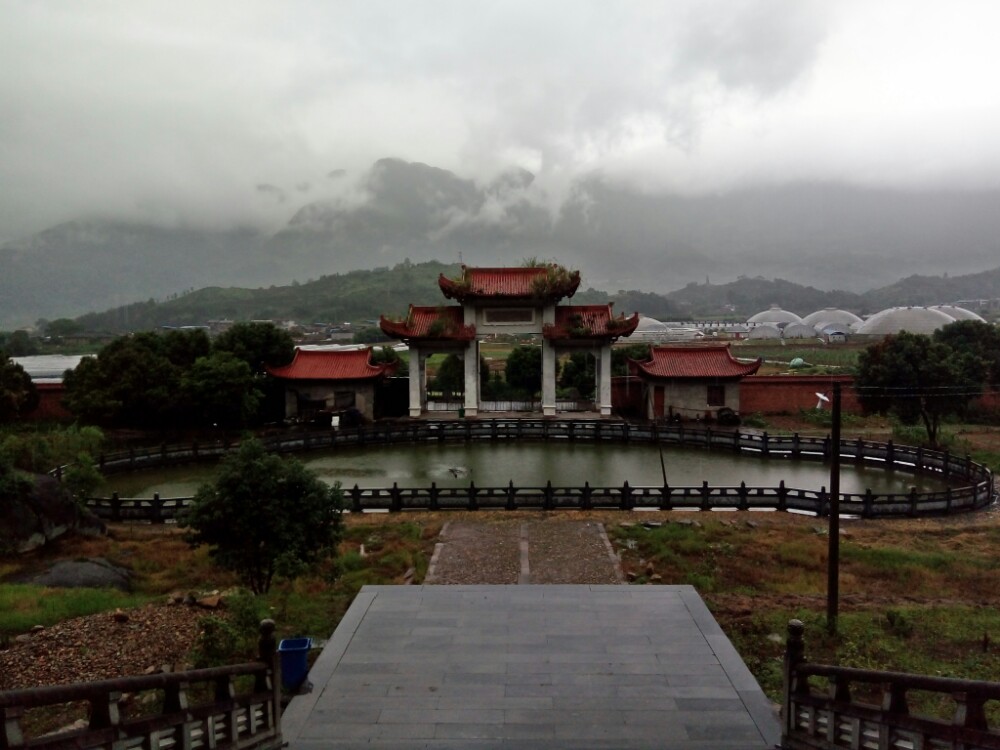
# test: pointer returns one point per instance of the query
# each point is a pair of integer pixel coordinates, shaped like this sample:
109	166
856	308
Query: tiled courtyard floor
557	666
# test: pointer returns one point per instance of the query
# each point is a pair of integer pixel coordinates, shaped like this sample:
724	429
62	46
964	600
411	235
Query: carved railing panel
830	716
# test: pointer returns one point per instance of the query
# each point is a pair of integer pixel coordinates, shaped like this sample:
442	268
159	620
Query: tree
130	382
369	335
578	374
257	344
917	378
979	339
264	516
524	369
223	390
18	344
450	377
17	393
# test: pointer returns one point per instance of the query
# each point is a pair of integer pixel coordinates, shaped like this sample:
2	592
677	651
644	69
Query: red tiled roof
589	322
508	283
430	323
693	362
313	364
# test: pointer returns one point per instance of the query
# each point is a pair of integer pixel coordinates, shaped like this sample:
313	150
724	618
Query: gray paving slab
556	666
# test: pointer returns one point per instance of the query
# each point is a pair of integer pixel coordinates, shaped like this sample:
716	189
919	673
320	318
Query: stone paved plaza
558	666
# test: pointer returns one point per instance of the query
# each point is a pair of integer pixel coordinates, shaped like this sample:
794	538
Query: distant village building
684	382
509	301
324	381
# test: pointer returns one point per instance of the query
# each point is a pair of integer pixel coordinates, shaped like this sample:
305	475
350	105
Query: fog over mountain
149	147
827	236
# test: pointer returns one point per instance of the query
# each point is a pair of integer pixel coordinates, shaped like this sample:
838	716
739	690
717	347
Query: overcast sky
210	111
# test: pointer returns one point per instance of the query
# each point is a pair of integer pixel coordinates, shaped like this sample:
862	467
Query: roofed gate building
518	301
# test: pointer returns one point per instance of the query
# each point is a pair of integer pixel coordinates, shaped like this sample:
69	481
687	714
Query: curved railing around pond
974	482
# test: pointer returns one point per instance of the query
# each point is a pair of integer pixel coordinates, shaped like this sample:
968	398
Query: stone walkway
505	552
516	666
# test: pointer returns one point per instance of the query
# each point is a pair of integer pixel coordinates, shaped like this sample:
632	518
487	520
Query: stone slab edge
293	720
746	686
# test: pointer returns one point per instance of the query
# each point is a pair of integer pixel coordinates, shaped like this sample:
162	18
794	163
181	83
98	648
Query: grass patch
22	606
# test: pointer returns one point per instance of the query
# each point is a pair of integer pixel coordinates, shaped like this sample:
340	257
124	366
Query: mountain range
831	236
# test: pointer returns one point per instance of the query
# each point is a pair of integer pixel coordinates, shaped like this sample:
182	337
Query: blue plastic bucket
294	661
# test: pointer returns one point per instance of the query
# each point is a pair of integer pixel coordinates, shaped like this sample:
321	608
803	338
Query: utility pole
833	554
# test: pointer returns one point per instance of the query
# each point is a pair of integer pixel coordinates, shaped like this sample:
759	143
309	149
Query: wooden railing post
794	654
585	503
511	504
356	500
157	508
550	501
782	496
473	501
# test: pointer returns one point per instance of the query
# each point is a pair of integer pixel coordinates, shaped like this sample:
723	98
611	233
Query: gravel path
519	551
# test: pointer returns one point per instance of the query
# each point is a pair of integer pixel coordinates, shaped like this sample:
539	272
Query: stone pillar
472	379
604	380
548	378
416	382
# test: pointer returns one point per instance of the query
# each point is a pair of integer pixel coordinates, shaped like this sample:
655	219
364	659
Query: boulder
42	512
93	573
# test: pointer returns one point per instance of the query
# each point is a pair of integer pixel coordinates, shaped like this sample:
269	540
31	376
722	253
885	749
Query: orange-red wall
779	394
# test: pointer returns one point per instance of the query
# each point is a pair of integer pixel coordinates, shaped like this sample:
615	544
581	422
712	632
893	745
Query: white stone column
604	381
416	382
548	365
548	378
472	379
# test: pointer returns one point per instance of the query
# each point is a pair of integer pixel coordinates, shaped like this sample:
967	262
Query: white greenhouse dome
911	319
775	315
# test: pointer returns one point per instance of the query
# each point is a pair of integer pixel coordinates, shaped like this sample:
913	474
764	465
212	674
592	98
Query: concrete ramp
559	666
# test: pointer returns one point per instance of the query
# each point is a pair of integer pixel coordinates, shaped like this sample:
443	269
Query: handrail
246	720
832	718
977	492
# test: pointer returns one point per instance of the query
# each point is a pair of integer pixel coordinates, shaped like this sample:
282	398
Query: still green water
532	464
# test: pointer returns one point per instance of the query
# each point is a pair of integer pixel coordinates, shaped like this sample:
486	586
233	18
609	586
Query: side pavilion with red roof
509	301
691	382
330	381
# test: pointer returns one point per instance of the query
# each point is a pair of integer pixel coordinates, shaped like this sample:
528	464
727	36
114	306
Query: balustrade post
104	711
947	500
157	508
705	500
946	466
890	454
550	501
175	698
356	499
894	699
859	451
626	502
473	502
493	430
680	433
572	431
396	502
840	689
12	736
824	503
969	711
269	681
791	684
432	502
914	502
782	496
796	446
918	465
116	507
744	504
869	504
765	444
666	503
626	433
585	503
511	504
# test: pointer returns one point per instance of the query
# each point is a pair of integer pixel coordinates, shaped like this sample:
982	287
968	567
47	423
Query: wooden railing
973	483
228	719
831	717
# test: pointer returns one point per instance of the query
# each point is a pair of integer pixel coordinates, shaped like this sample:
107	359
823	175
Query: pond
532	464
